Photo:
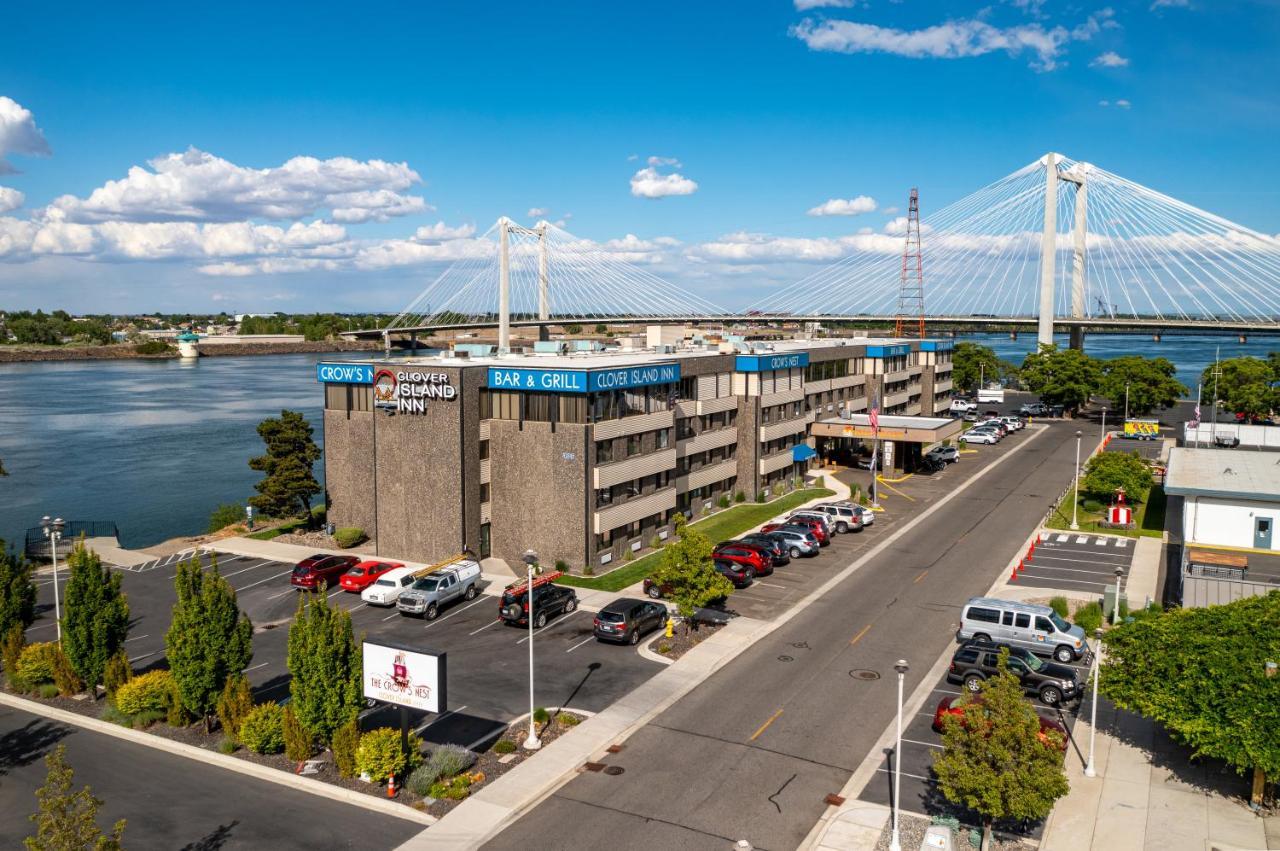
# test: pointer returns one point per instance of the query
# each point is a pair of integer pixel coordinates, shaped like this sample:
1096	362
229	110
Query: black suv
548	600
977	660
776	548
626	619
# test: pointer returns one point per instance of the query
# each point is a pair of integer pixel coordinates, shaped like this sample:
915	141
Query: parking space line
1082	540
136	638
268	579
255	667
576	646
1101	564
395	614
551	625
282	593
1099	542
143	656
337	591
1061	538
908	774
1053	548
42	625
440	718
1035	566
494	622
477	602
922	575
924	744
771	585
247	569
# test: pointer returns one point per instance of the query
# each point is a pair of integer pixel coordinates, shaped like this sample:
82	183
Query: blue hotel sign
766	363
344	373
581	381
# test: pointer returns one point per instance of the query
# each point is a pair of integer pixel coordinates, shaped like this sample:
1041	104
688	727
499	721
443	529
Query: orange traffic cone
1013	575
391	786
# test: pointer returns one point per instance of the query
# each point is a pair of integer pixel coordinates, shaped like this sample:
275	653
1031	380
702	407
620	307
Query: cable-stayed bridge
1057	243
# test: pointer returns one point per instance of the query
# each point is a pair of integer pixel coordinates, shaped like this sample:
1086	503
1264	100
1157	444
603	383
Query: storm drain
864	674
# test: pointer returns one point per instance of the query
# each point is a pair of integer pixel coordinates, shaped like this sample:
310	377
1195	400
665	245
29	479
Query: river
155	445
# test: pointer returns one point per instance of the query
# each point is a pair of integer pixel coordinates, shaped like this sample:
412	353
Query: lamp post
1104	423
1075	496
1126	400
894	844
1093	713
531	570
1115	609
53	531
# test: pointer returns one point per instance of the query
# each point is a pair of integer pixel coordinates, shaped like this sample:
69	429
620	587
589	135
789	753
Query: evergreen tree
687	573
209	639
68	820
994	761
17	591
235	703
325	667
289	483
95	620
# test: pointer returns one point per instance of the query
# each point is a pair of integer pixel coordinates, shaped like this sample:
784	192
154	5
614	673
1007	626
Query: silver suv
844	517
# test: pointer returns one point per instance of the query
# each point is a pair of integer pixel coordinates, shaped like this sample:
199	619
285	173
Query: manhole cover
786	658
863	674
614	770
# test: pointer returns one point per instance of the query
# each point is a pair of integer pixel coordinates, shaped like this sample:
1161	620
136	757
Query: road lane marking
481	599
861	633
765	725
494	622
922	575
576	646
268	579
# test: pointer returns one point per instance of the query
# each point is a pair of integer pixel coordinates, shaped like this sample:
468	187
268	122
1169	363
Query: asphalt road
753	751
171	802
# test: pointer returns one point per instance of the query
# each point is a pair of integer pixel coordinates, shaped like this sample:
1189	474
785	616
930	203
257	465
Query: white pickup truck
991	394
429	594
963	406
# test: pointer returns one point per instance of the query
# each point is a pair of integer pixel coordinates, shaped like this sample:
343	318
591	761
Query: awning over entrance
906	429
802	452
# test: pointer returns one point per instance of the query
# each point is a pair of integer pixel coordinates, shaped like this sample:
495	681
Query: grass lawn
728	523
1148	517
283	528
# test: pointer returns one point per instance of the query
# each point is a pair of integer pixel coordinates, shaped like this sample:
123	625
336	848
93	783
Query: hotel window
604	540
689	388
484	449
604	451
484	491
684	428
634	446
664	438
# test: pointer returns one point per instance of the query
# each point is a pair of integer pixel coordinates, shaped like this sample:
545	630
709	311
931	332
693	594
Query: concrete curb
230	763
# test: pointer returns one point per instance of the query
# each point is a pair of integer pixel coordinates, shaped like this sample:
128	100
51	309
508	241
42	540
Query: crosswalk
1095	540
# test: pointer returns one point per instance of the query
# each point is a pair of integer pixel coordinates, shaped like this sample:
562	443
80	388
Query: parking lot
1071	561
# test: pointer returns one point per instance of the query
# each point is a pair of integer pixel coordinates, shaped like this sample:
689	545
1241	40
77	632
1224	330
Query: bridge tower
1049	249
910	319
506	228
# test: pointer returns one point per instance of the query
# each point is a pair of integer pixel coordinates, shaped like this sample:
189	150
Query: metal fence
37	545
1199	591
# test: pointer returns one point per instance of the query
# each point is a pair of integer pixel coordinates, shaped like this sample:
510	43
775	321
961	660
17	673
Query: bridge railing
37	545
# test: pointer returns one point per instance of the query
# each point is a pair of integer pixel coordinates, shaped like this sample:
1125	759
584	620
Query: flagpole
875	452
1213	426
1199	388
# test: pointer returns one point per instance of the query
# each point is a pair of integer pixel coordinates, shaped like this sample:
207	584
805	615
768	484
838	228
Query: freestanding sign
403	675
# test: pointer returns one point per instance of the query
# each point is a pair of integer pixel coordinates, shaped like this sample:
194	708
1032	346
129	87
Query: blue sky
422	123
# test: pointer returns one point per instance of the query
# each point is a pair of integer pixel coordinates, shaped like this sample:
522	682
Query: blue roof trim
766	363
936	345
887	351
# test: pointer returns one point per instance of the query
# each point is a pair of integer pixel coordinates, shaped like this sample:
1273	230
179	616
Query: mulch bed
682	641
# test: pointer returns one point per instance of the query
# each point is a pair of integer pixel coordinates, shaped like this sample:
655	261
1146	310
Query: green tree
17	592
3	471
1107	471
95	620
1246	385
1150	383
1066	377
234	705
971	363
687	573
1202	674
994	761
209	638
574	329
601	328
325	667
67	820
289	483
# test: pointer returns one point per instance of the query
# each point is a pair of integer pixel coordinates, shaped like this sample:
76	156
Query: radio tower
910	318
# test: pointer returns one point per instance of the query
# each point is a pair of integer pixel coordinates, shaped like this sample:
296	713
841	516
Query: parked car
955	706
776	549
862	462
386	589
625	620
740	575
948	454
977	660
844	516
548	599
828	525
975	435
963	405
320	571
363	574
1038	629
930	464
1034	409
1014	423
431	593
749	556
971	416
994	425
798	540
818	525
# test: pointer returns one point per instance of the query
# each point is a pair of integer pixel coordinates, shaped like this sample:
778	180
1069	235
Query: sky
281	156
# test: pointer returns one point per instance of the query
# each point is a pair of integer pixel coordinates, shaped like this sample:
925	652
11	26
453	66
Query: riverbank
128	351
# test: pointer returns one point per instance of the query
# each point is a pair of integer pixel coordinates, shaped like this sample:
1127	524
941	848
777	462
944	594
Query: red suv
745	555
364	574
813	524
320	568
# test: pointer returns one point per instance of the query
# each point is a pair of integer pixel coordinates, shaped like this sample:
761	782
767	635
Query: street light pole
1104	423
1115	609
531	570
1126	400
1093	714
53	531
1075	495
895	843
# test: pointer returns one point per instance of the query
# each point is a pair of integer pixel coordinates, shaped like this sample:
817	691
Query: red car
812	524
309	573
955	706
365	574
745	555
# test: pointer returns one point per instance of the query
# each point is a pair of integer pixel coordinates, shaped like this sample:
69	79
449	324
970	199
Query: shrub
235	703
562	565
47	690
627	555
448	760
345	741
568	720
263	729
457	788
114	716
146	718
228	745
152	347
420	781
176	714
117	673
1059	606
64	677
1089	617
297	742
504	746
379	754
11	651
588	570
739	497
225	515
348	537
655	542
1091	505
151	691
760	496
664	647
35	664
540	715
318	514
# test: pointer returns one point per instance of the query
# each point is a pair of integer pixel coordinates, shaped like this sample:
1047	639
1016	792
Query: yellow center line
765	725
922	575
861	633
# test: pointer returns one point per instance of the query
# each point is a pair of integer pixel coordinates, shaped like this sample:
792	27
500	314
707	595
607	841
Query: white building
1231	497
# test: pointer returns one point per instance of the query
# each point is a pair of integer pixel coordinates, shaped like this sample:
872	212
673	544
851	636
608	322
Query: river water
155	445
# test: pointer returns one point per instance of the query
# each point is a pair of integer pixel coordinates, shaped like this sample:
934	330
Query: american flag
874	416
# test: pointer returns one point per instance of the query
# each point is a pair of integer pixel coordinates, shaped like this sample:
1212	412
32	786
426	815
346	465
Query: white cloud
19	134
1110	59
1170	4
440	232
10	199
842	207
197	186
658	162
1120	104
649	183
539	212
402	252
889	211
806	5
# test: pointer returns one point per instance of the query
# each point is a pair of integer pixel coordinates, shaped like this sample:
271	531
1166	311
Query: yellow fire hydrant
670	628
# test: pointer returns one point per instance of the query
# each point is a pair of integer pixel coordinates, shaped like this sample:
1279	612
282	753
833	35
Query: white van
1035	628
386	589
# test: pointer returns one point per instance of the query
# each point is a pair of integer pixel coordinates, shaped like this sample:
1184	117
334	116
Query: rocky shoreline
126	351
